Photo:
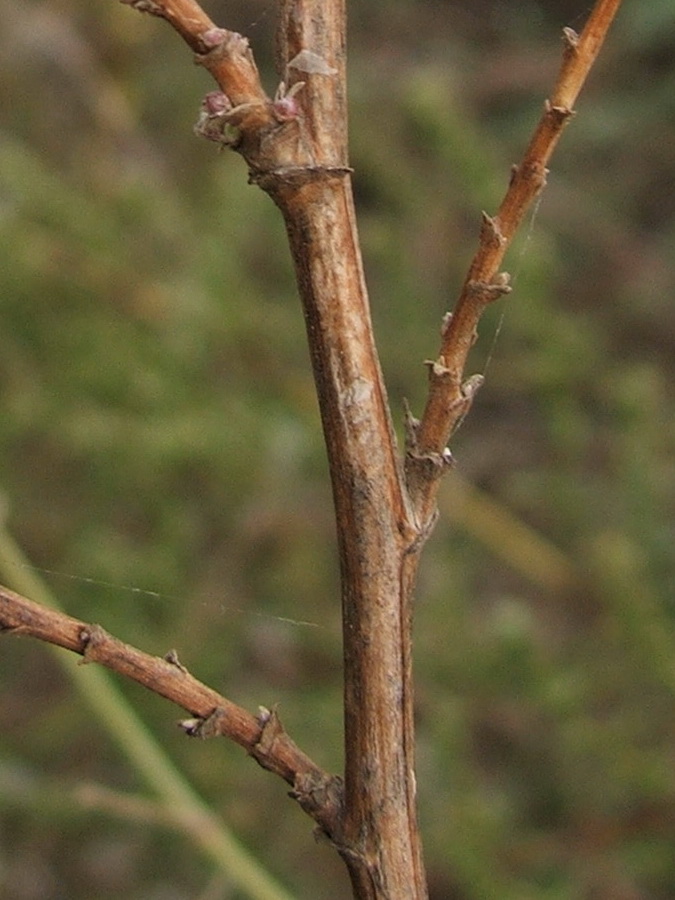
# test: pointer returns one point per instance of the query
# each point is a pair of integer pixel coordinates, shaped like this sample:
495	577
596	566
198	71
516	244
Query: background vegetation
161	453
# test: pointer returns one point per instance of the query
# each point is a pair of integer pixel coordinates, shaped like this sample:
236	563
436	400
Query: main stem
379	840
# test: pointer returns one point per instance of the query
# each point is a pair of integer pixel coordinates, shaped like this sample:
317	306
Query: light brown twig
261	736
449	400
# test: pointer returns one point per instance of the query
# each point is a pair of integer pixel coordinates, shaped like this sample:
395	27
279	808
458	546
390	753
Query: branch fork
296	149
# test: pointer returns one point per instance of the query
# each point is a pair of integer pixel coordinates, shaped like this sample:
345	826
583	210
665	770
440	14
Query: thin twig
450	396
212	714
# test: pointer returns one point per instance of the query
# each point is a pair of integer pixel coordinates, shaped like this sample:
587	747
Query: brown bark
380	839
450	396
262	736
296	148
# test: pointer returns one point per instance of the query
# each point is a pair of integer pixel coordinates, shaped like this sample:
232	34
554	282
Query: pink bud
285	109
215	103
213	37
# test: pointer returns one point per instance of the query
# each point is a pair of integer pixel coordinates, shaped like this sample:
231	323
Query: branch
224	53
263	737
296	150
450	396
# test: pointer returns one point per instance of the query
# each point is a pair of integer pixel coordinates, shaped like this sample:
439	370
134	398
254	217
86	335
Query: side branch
450	397
227	56
263	737
186	16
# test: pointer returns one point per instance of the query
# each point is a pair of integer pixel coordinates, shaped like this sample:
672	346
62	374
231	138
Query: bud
285	106
213	37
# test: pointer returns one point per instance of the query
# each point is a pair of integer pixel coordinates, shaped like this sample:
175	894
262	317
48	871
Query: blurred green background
161	456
